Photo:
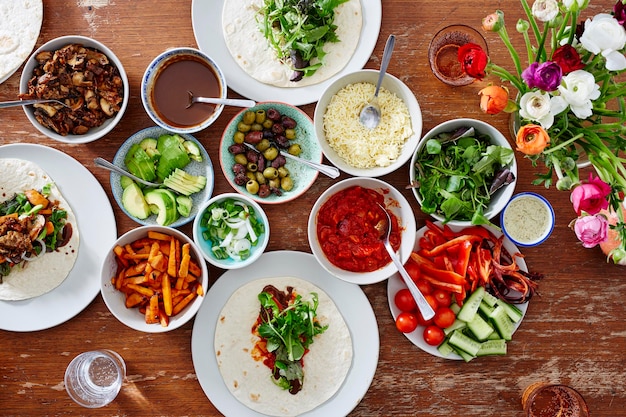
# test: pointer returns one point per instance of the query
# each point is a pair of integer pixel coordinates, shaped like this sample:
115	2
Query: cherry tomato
444	317
433	335
424	286
404	300
443	297
413	270
421	321
406	322
432	301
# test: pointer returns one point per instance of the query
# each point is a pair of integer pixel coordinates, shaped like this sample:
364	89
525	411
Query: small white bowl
115	300
93	133
390	83
205	246
527	219
394	202
178	93
499	198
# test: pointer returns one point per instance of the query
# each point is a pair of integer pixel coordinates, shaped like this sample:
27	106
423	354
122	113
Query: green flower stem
531	19
563	144
504	35
505	75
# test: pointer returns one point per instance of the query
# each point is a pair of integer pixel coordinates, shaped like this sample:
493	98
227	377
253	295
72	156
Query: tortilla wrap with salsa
326	364
38	274
251	50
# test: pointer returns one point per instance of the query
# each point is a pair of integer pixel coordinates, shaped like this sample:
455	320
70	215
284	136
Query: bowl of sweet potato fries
154	279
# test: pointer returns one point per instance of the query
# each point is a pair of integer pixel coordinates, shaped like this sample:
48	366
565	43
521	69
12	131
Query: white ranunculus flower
604	35
578	89
535	105
545	10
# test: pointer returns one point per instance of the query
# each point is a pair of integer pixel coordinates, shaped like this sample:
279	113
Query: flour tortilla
20	23
326	365
252	52
48	271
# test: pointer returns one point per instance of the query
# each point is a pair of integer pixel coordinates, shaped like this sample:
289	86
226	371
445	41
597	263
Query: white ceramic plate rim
206	17
98	231
349	299
395	283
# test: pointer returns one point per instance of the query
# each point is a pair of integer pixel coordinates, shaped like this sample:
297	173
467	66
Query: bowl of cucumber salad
181	166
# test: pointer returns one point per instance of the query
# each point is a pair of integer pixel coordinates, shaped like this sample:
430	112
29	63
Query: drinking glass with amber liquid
552	400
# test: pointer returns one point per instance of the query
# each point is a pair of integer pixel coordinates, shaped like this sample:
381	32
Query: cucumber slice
490	299
470	307
480	328
492	347
458	324
445	349
515	314
502	323
460	340
485	308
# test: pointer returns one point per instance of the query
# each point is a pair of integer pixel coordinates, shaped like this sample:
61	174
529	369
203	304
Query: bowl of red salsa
344	229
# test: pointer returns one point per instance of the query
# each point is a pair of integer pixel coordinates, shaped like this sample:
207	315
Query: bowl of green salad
463	172
231	230
181	166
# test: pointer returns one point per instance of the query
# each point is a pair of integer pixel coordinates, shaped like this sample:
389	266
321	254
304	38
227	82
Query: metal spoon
425	309
103	163
370	114
328	170
16	103
225	101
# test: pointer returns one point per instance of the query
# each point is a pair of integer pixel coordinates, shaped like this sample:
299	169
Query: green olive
290	134
263	145
270	153
275	183
250	175
270	173
252	187
283	172
240	158
295	149
260	178
252	167
248	117
256	127
268	123
243	127
260	116
239	137
286	183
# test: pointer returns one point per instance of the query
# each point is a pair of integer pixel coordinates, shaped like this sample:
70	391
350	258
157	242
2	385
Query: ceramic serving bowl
499	199
353	140
97	48
116	299
166	84
527	219
202	231
301	176
394	202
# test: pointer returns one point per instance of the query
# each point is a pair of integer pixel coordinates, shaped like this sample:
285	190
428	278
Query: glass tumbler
552	400
93	379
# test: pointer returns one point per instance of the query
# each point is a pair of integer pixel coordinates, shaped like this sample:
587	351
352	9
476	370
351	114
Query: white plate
98	232
206	17
395	283
350	300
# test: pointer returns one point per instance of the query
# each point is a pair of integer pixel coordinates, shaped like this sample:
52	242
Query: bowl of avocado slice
177	161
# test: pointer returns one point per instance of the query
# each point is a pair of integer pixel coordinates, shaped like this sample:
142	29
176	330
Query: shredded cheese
359	146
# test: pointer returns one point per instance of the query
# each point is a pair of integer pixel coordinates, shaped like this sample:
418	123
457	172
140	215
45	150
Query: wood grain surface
573	333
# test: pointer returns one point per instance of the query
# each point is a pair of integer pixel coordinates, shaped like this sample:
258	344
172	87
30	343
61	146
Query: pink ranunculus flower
590	197
591	230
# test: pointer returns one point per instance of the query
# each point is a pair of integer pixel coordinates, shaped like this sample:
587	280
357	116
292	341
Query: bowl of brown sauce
166	87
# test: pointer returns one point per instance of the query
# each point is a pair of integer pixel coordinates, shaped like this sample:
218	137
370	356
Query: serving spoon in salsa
225	101
385	230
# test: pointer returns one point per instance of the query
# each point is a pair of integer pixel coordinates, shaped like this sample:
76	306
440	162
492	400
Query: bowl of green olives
252	152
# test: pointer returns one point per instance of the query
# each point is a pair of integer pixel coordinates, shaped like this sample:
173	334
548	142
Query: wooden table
573	333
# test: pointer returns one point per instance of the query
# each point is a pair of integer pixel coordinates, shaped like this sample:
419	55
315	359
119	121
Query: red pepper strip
460	298
425	243
438	250
440	274
479	231
463	255
455	288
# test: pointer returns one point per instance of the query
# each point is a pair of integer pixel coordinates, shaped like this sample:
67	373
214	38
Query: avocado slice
185	183
139	163
165	202
134	202
173	155
184	204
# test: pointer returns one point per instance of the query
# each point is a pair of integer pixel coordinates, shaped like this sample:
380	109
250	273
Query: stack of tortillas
20	23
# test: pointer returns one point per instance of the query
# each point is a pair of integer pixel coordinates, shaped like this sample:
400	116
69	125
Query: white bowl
527	219
394	202
499	198
179	95
93	133
389	83
115	300
205	245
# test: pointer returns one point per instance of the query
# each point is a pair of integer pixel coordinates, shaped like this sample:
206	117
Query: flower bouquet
569	105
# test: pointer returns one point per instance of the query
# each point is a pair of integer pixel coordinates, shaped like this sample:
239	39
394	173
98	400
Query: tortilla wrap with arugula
251	50
326	364
30	274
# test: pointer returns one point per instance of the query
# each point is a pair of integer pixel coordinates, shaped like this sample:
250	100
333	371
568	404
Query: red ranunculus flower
568	59
473	60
